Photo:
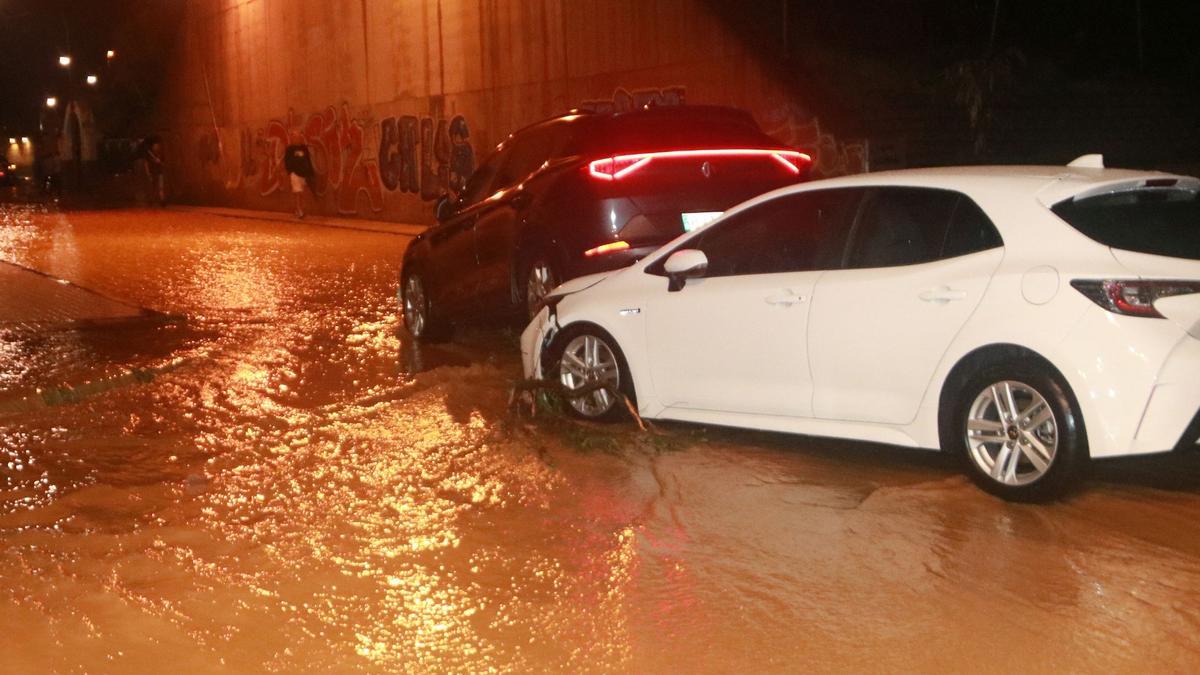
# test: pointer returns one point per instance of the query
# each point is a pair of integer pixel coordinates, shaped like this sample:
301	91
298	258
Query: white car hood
581	283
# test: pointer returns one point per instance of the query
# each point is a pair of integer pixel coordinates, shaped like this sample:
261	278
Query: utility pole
786	49
995	21
1141	38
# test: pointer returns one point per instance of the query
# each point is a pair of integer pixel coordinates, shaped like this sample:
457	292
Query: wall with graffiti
398	102
357	159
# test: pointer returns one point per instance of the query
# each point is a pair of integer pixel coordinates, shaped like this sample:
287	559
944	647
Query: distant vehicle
579	194
1024	318
8	173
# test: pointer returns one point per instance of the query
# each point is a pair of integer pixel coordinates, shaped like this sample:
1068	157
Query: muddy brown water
276	480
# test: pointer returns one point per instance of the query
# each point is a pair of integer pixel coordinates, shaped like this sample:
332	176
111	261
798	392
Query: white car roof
1048	184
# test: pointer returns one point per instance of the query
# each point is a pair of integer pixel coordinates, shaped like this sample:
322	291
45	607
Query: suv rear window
1157	221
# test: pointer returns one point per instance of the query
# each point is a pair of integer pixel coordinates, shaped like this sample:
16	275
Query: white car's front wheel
592	371
1020	433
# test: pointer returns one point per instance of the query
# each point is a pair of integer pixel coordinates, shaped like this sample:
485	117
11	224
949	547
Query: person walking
154	171
298	162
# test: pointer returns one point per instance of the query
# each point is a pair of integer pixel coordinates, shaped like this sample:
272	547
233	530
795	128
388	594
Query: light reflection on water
313	492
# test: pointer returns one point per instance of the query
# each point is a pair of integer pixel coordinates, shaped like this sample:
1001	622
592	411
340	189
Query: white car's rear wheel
1012	434
1020	432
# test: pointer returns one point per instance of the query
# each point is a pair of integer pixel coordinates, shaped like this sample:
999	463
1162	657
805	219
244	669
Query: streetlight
51	101
12	141
110	55
92	80
64	61
25	140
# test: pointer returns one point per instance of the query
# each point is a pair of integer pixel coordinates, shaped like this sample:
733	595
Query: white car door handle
943	295
785	298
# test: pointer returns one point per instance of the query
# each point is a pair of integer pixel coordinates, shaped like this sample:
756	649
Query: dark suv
579	194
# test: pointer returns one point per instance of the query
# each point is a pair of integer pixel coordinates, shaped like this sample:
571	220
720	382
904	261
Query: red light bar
788	164
607	248
619	166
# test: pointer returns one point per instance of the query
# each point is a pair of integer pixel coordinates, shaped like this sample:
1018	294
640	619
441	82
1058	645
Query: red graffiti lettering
337	143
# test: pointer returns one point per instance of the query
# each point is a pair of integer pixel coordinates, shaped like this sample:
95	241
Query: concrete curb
384	227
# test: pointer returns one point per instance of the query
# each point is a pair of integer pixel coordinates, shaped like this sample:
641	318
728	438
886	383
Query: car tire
1019	432
539	276
423	324
585	355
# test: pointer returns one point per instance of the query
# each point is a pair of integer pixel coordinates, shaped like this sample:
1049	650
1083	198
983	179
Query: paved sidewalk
403	229
32	299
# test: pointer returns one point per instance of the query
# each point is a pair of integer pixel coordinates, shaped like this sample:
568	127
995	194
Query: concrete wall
400	99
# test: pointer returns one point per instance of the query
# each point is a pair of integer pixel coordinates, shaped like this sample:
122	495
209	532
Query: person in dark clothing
298	162
154	171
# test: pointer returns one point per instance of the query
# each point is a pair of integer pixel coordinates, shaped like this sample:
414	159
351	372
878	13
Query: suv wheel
418	311
541	276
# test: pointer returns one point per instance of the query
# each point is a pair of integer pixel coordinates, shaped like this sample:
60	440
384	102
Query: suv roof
659	125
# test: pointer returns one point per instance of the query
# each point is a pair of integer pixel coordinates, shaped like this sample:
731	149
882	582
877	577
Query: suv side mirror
444	208
682	265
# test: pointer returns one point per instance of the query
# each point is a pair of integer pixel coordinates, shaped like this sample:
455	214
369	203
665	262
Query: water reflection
309	490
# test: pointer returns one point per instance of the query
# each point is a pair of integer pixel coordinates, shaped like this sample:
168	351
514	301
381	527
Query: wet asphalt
255	470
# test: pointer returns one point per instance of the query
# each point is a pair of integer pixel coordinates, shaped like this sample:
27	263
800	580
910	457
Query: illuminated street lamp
92	80
12	141
51	101
110	55
25	140
64	61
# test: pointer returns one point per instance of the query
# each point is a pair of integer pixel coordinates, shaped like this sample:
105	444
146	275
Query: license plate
692	221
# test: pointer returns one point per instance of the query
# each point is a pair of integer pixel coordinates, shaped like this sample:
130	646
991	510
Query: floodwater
265	475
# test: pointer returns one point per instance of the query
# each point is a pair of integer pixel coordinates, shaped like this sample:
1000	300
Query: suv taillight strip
620	166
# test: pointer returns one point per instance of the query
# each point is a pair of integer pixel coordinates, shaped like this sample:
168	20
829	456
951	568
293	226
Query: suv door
735	340
453	267
917	264
496	231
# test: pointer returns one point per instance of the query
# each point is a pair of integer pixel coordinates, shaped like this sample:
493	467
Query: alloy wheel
588	360
415	306
1012	434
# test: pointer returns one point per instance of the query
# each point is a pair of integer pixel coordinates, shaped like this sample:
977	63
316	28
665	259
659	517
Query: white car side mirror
683	265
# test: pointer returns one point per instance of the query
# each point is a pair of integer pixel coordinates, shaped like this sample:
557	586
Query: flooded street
222	453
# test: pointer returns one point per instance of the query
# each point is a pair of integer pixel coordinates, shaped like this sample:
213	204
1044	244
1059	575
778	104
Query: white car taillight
1133	297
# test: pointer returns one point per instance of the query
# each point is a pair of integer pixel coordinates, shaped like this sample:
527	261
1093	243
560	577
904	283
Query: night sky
1095	38
1083	39
36	32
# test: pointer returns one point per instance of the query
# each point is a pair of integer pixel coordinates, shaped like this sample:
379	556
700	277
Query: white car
1026	318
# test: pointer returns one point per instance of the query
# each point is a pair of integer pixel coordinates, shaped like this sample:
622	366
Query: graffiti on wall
227	156
426	157
624	101
356	160
793	125
338	145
